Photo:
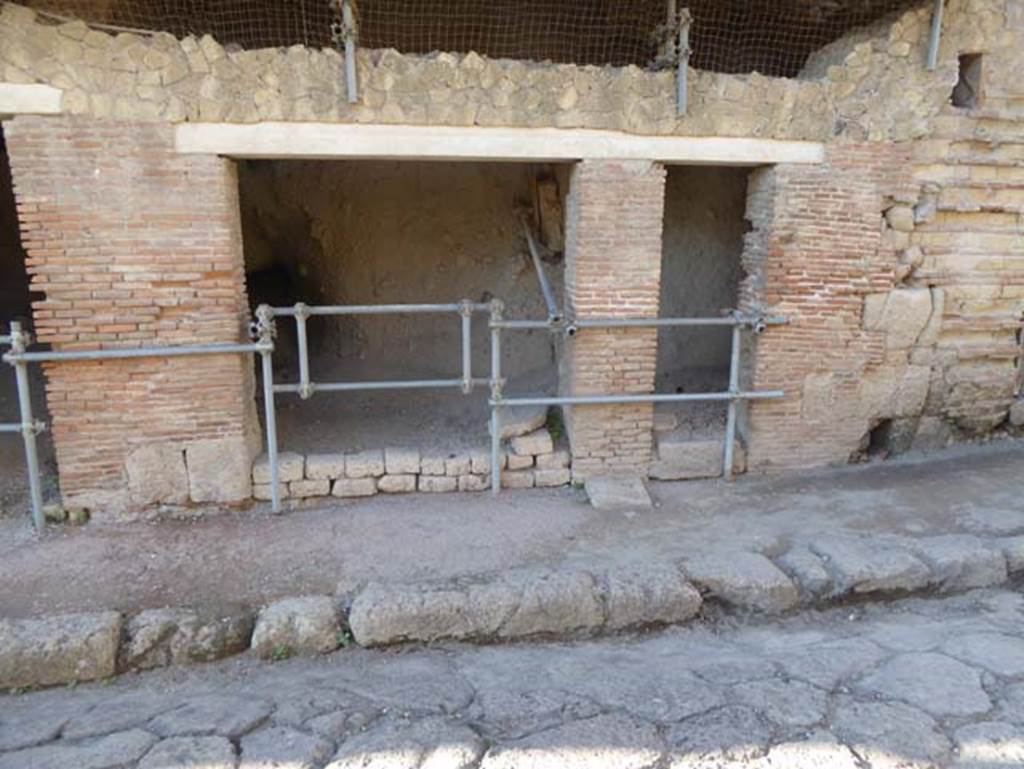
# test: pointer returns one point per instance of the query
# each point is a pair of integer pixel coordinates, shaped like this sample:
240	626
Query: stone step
681	457
613	494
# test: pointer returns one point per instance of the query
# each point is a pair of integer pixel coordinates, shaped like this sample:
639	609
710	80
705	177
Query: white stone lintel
325	141
29	99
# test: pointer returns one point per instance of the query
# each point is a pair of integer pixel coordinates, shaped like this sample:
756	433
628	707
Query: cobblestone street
915	683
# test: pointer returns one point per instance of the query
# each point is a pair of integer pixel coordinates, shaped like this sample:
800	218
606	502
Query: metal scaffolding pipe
935	36
398	384
349	24
734	388
377	309
466	312
29	428
523	324
545	287
305	389
592	400
10	427
727	320
132	352
265	331
496	388
270	418
683	65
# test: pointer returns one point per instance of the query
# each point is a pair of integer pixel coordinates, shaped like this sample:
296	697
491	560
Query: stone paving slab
821	688
60	649
614	494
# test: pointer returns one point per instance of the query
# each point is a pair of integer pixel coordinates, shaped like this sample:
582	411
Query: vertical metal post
349	22
265	330
683	65
935	35
734	389
496	388
19	341
301	314
466	313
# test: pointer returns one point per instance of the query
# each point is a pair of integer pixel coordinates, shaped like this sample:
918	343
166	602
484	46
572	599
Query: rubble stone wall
157	77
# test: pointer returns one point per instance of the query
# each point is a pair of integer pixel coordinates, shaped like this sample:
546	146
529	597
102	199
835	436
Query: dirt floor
251	556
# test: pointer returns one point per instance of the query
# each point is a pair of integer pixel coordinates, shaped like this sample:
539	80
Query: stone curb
528	603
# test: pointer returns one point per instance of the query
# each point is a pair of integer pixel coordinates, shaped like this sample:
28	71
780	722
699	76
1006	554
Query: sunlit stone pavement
916	683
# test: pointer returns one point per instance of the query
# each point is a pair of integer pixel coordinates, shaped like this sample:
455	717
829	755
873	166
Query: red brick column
815	251
613	270
134	245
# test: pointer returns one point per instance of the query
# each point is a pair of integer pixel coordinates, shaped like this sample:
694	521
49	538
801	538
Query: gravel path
916	683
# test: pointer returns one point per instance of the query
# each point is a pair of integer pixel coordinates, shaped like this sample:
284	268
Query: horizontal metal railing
736	320
176	351
19	357
306	387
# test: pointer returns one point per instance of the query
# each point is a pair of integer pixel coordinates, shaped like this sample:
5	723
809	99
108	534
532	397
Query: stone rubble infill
531	461
571	601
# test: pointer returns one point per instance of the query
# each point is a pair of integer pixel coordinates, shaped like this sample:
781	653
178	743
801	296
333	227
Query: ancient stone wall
146	252
898	261
865	86
819	255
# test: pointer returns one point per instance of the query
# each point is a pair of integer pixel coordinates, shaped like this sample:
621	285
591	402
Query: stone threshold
568	602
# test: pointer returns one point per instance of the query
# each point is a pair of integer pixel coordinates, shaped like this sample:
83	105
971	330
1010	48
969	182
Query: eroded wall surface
379	232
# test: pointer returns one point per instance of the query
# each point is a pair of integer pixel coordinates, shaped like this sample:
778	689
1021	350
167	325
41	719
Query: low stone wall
530	461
